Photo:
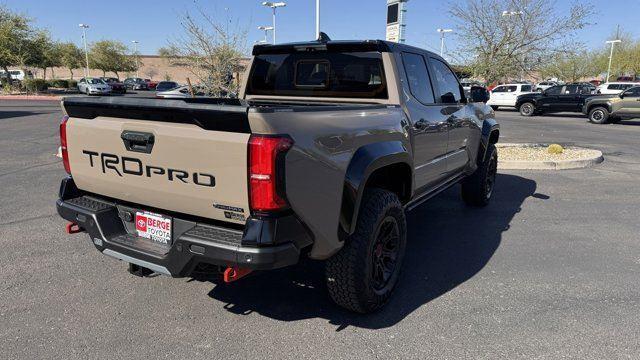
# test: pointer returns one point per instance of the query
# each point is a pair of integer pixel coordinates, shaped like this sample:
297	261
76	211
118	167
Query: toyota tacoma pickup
326	147
613	108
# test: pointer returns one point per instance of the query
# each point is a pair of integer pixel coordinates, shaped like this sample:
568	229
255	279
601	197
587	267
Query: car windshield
95	82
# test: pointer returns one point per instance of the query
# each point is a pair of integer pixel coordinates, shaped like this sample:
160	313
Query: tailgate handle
141	142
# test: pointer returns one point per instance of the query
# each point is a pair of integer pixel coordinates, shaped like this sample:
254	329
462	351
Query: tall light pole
266	30
135	51
86	53
274	6
509	14
317	19
612	42
442	32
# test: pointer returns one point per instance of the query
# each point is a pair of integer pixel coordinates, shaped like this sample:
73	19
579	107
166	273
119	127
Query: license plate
154	227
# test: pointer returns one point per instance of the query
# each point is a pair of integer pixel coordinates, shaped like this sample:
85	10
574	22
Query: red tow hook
234	273
73	228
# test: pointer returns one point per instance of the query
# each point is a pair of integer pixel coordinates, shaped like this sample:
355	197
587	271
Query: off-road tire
350	273
495	107
478	187
599	115
527	109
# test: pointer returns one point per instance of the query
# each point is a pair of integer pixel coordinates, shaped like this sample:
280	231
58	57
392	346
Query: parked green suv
613	108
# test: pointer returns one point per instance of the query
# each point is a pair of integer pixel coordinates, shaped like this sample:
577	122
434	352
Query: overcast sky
152	22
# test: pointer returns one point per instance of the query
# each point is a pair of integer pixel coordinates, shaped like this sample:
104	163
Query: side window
625	86
418	77
499	89
571	89
448	86
633	92
613	87
525	88
554	90
512	88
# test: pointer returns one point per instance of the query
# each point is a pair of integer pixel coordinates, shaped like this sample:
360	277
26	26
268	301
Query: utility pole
442	32
86	52
135	51
274	6
612	42
317	19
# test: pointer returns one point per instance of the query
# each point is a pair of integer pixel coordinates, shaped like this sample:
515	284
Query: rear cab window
525	88
319	73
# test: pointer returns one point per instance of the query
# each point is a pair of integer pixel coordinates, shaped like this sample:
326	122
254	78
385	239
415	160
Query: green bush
35	84
58	83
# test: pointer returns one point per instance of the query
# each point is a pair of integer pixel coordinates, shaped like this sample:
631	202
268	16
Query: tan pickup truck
328	145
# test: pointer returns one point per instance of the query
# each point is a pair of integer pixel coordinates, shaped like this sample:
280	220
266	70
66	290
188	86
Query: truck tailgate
188	169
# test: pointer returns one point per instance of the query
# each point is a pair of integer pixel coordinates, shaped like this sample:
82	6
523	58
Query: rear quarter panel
324	144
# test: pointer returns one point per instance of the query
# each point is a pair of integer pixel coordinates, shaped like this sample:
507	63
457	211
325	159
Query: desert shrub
35	84
58	83
555	149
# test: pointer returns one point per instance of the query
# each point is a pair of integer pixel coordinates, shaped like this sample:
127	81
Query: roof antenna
323	38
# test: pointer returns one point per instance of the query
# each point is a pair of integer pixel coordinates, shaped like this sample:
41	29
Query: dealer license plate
154	227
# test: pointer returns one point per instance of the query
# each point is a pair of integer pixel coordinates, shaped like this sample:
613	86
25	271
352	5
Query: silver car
93	86
180	93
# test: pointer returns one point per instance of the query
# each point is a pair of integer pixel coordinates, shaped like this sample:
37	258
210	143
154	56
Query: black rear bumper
264	243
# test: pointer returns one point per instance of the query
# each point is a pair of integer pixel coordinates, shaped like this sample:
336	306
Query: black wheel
362	275
494	107
527	109
599	115
539	90
87	92
478	188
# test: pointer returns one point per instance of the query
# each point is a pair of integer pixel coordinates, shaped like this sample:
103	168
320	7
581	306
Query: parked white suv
542	86
17	74
507	94
615	87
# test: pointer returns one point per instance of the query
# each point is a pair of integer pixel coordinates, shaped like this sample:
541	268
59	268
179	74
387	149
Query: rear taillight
63	144
266	172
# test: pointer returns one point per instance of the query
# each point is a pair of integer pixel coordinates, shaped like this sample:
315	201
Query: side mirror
479	94
621	95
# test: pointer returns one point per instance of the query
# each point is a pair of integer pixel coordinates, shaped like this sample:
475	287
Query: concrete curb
31	97
586	162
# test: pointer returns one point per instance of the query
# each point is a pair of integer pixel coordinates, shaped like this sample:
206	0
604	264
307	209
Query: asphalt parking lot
549	270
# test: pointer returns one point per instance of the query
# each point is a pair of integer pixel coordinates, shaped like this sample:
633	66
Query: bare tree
508	38
151	72
210	51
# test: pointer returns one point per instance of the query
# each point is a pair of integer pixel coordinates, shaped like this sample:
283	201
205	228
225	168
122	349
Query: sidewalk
31	97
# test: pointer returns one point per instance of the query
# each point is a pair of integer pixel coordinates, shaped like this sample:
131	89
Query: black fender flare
606	105
490	135
364	162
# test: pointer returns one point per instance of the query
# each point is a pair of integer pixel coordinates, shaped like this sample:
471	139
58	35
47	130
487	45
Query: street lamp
135	51
511	13
317	19
274	6
442	32
266	30
86	53
612	42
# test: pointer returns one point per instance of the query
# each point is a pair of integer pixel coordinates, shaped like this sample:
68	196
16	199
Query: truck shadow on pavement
448	243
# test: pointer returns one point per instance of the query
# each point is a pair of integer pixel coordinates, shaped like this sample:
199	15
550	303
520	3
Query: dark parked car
136	84
166	85
117	87
557	98
613	108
